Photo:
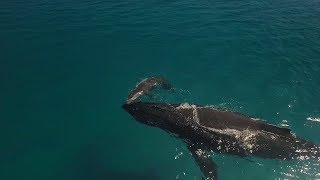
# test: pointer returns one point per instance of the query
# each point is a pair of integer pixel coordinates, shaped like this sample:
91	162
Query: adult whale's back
235	120
257	137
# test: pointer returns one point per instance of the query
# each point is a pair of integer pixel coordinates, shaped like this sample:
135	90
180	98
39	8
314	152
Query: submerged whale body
206	129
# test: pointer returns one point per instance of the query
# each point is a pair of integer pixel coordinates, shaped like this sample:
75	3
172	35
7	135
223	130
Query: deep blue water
67	66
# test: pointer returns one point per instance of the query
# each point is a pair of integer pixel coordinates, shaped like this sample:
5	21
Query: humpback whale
206	129
147	85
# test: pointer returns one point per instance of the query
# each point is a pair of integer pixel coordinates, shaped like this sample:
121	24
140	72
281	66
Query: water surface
67	66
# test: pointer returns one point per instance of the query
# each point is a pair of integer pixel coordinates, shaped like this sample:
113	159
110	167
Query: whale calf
207	129
147	85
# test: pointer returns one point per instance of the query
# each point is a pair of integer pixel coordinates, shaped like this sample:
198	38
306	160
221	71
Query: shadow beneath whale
91	164
121	175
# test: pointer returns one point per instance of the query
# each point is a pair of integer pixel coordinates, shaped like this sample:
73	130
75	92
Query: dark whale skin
206	129
268	141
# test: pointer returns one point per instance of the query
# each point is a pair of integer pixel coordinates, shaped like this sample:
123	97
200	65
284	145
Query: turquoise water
67	66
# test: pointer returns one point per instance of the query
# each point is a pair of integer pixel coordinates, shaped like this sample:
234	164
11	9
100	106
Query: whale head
161	115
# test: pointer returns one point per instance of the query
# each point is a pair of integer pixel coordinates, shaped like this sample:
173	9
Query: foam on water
185	106
313	119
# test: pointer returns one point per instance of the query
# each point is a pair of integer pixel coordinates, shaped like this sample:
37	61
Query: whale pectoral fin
206	164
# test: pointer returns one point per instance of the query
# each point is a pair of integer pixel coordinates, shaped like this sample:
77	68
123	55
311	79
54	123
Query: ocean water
67	66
